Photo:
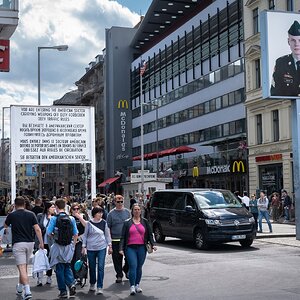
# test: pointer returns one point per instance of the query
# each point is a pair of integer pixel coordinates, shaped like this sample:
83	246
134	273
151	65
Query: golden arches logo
238	166
195	171
123	104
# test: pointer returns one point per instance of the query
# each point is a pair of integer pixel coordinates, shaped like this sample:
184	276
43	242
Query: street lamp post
59	48
155	104
2	147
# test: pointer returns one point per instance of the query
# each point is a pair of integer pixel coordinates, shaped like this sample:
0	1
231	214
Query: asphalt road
178	271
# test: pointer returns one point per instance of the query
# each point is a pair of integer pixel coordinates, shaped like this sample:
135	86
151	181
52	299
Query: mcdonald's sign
195	171
123	104
238	166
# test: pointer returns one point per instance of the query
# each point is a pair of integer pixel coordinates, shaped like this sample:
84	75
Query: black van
205	216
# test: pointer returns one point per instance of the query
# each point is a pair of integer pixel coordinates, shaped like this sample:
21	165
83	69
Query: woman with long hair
43	221
136	234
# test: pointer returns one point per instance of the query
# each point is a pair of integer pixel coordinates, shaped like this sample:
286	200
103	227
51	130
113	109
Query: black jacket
286	80
125	233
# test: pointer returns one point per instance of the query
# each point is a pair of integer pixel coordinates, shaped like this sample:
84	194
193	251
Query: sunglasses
76	208
119	201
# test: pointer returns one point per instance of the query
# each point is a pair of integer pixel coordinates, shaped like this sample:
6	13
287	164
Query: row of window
255	13
203	82
212	37
199	136
207	107
275	127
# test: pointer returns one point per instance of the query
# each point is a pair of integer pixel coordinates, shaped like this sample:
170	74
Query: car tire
200	241
158	234
246	243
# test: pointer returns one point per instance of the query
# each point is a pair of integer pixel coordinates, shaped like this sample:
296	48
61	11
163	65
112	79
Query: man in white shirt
245	199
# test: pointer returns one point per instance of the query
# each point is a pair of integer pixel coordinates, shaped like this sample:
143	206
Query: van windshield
216	199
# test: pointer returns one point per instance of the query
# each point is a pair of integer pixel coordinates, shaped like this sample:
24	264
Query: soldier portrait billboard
280	54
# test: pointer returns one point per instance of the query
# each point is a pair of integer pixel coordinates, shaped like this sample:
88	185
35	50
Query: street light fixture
59	48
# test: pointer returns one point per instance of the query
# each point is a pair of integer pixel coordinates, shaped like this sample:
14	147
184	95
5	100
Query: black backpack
81	270
64	230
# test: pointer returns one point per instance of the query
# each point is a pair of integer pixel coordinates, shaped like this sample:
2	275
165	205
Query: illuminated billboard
280	54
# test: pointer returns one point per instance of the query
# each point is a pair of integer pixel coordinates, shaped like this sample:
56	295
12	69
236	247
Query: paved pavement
283	235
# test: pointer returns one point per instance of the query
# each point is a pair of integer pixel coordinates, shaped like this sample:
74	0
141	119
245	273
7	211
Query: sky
80	24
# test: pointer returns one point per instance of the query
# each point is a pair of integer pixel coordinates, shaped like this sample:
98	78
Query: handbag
149	247
148	244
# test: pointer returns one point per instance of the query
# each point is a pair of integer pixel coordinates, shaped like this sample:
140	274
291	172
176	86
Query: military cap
295	29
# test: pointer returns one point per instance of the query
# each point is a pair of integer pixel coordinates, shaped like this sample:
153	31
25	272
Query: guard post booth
151	184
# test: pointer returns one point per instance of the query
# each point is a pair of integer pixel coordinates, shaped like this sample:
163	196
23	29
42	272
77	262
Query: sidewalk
279	230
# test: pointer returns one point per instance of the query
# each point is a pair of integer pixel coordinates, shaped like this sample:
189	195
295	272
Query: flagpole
142	133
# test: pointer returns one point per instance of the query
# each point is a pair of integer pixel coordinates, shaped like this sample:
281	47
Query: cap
295	29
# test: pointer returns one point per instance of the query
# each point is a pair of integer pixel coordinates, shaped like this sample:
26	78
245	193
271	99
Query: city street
268	270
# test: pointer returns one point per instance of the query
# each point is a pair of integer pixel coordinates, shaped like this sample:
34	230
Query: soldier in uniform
286	76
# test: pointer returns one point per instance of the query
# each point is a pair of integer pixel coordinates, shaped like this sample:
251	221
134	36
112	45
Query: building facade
193	90
269	121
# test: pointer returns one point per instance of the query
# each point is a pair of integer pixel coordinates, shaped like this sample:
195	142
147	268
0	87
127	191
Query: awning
177	150
108	181
147	156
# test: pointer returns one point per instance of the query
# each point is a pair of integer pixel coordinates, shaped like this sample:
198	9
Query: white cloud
78	23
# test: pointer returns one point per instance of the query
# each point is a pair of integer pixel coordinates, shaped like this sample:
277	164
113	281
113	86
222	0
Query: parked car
205	216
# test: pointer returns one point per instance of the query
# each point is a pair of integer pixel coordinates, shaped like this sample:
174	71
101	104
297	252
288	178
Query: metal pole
142	135
157	159
2	147
39	76
296	161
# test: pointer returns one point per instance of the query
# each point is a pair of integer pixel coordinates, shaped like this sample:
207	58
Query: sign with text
136	177
52	134
4	55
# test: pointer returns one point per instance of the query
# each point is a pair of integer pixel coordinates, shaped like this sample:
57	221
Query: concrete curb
270	235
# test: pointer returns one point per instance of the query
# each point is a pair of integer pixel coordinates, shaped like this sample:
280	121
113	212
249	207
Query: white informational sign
278	54
136	177
52	134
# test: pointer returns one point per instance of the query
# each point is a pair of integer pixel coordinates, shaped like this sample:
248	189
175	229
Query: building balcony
9	17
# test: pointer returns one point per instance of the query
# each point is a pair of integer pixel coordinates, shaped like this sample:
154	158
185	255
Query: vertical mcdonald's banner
195	171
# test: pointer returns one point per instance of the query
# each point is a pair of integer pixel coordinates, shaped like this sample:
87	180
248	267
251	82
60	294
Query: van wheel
200	241
159	237
246	243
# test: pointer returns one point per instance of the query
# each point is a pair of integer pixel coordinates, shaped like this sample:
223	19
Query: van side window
189	201
178	199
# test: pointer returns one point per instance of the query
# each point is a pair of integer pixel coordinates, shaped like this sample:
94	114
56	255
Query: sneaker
138	289
27	297
19	289
39	282
92	287
78	282
118	280
132	290
72	290
49	280
99	291
62	295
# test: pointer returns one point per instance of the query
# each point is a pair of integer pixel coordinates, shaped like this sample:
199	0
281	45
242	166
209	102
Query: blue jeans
64	276
286	213
92	257
136	256
264	214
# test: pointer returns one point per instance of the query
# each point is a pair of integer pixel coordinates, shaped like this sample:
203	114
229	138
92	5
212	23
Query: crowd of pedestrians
68	231
278	206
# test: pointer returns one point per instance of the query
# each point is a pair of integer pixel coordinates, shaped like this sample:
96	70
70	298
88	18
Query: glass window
257	74
201	109
255	20
289	5
275	116
271	4
225	100
217	75
206	107
212	105
238	96
232	128
218	103
259	134
231	98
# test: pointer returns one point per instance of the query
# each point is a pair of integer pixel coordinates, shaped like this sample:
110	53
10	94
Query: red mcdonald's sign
4	55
